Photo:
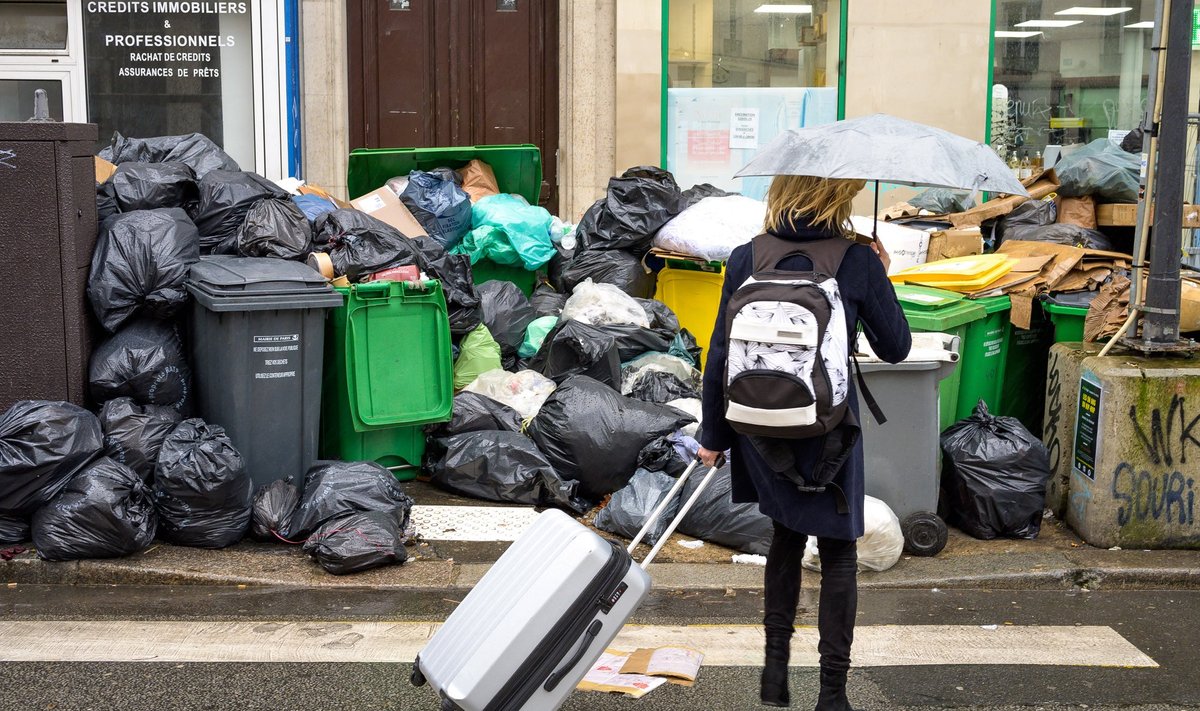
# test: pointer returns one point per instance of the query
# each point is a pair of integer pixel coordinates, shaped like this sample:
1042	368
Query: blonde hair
824	202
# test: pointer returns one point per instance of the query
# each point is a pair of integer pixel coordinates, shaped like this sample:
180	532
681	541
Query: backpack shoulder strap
826	254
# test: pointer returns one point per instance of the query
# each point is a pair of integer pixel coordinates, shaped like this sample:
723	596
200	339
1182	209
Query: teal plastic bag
509	231
535	334
478	353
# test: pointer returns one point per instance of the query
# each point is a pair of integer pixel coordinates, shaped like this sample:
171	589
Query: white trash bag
603	304
524	391
879	548
712	228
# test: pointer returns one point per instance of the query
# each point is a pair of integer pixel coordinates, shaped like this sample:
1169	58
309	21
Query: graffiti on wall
1160	486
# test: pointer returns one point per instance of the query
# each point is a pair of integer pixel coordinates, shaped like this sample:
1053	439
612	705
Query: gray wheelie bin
903	456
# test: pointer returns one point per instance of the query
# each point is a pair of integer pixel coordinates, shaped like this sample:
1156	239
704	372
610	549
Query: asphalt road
1162	625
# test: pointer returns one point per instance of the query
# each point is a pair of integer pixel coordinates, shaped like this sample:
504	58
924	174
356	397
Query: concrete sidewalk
1057	560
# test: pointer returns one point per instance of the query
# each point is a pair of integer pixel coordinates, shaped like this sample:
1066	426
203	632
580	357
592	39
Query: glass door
40	47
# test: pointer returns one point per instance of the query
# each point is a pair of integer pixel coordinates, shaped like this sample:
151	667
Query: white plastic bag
692	407
524	391
636	368
602	304
879	548
713	227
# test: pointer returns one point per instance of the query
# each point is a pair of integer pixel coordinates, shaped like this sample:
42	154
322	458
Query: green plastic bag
478	353
509	231
535	333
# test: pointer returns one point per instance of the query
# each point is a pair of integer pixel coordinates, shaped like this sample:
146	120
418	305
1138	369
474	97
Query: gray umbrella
886	149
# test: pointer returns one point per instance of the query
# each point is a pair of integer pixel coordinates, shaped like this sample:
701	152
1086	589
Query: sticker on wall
400	5
1087	426
743	128
506	5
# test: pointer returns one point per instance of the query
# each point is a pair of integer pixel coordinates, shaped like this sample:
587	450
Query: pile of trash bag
621	269
509	231
577	348
14	529
43	444
224	201
144	361
272	510
149	186
134	434
275	228
475	413
360	245
357	542
712	228
636	205
503	466
660	378
603	304
334	490
994	476
592	434
202	492
535	336
1100	169
439	204
1071	235
631	506
546	301
507	313
194	150
670	454
105	511
881	545
713	518
525	391
140	265
1025	219
478	354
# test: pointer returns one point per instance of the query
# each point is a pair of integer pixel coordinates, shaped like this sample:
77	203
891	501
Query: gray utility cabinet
47	234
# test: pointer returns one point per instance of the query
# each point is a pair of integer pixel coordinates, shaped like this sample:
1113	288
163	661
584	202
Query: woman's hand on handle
884	257
708	457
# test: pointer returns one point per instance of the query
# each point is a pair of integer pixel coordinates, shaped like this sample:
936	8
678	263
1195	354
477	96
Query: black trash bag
1132	142
630	507
661	387
42	445
545	301
1027	217
506	312
994	476
140	265
201	489
1072	235
14	529
502	466
360	245
715	518
225	199
336	489
106	511
148	186
106	202
662	455
1100	169
194	150
458	285
577	348
357	542
475	413
275	228
273	507
592	434
698	192
134	434
145	361
447	173
685	346
633	341
662	318
638	203
942	201
440	205
621	269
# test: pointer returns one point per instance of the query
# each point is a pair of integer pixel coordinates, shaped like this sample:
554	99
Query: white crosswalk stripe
722	645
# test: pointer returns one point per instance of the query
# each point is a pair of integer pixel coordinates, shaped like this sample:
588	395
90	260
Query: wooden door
427	73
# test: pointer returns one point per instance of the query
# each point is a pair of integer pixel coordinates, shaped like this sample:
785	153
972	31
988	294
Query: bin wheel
417	678
924	534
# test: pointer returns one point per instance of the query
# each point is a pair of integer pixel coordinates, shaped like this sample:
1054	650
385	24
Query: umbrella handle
875	223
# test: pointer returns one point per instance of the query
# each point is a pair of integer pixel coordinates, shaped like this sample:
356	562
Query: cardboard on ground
606	675
678	665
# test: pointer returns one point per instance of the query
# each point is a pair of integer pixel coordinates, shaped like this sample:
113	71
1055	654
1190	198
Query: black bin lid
228	283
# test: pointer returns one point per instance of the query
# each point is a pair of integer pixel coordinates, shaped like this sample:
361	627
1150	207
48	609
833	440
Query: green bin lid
227	283
518	168
993	304
931	310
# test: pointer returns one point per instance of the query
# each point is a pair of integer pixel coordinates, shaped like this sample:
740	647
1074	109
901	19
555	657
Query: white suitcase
529	631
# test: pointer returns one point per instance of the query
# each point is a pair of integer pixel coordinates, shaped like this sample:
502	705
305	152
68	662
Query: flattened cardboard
383	205
1038	188
947	244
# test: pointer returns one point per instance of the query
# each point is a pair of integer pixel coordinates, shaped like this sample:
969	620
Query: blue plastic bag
441	207
313	206
509	231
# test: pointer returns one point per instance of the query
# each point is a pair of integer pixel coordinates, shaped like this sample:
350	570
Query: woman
803	210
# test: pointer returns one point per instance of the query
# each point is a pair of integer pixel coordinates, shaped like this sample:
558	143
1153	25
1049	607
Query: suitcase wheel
417	678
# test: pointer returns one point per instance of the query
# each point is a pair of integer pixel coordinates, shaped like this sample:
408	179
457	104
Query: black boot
833	692
774	689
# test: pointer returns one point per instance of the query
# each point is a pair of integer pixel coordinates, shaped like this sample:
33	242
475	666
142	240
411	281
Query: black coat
869	299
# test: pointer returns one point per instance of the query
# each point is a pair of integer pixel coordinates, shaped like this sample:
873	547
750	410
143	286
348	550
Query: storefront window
739	72
33	25
166	68
16	98
1068	72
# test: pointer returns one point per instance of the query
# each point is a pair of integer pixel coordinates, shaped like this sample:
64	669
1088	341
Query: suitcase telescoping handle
662	506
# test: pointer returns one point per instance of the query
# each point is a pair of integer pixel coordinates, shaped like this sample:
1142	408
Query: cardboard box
104	170
1125	215
383	205
947	244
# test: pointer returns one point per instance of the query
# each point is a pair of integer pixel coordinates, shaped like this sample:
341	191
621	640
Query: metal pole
1161	323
